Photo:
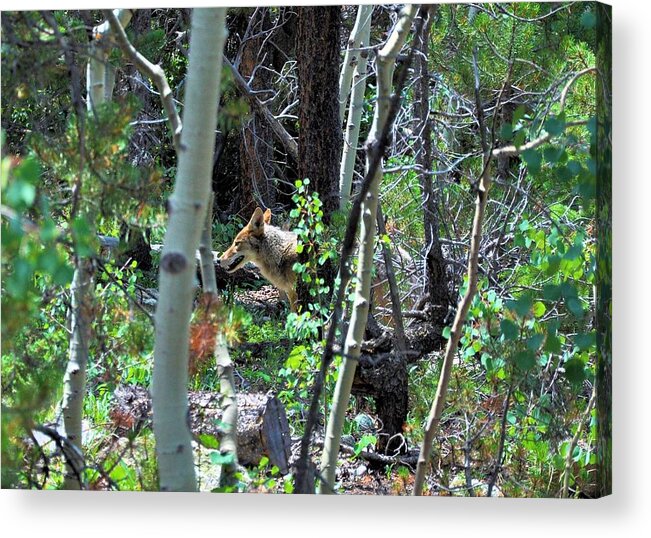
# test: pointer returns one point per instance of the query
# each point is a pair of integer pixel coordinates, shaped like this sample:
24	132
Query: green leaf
553	263
20	278
585	341
519	113
575	307
20	194
554	125
119	472
533	158
218	458
552	344
447	331
520	137
506	132
575	371
521	306
509	329
534	342
553	154
539	309
362	444
588	20
296	357
63	274
525	360
574	167
551	292
563	173
29	170
209	441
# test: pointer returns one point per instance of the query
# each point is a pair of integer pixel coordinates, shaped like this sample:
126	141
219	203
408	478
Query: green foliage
526	360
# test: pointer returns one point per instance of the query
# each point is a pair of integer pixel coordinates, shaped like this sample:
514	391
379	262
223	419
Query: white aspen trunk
74	381
223	361
187	211
352	55
351	137
352	347
100	76
99	85
206	261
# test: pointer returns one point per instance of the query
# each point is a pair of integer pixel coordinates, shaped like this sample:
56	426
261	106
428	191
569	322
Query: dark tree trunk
256	139
436	288
320	136
604	250
383	376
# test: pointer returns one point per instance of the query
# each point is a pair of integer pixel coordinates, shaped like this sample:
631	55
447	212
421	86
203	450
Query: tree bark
436	288
361	38
256	142
74	382
319	141
187	211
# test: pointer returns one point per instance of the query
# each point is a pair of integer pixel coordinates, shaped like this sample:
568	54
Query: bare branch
285	138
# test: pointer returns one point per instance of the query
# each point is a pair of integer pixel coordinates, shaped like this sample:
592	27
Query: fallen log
262	427
245	275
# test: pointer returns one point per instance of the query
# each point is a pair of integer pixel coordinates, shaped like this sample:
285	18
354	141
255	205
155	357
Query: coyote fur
270	249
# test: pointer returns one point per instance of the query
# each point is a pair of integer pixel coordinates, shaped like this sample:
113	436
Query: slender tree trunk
353	55
361	38
74	382
187	211
436	279
352	348
228	445
100	78
481	200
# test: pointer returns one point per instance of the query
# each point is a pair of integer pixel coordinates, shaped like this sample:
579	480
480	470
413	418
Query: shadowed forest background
446	170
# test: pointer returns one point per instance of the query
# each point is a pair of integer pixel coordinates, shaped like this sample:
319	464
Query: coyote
268	247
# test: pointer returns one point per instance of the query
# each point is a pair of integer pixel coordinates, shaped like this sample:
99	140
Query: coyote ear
267	216
256	224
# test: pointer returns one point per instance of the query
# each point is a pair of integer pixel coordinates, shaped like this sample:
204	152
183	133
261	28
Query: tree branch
513	151
154	72
285	138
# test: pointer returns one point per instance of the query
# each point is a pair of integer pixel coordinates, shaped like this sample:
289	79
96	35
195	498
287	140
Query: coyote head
243	248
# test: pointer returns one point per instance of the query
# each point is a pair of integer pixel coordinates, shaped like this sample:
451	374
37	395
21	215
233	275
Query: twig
400	344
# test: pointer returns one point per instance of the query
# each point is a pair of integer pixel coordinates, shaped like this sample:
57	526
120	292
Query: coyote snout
271	249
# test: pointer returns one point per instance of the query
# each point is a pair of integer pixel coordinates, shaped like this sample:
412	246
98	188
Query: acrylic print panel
349	250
